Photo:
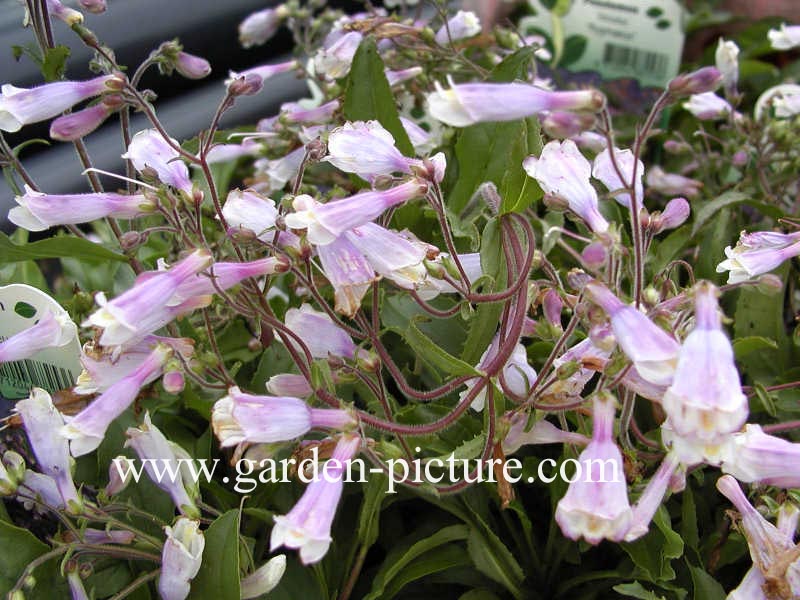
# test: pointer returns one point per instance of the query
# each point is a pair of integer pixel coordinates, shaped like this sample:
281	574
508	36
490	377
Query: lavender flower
173	476
596	506
245	418
756	457
148	148
263	72
289	384
326	222
705	399
470	103
785	38
180	559
19	107
758	253
319	334
390	254
191	66
564	172
653	352
705	79
366	149
264	579
41	421
88	428
542	432
38	211
674	215
517	375
71	127
462	25
260	26
95	7
403	75
651	498
708	106
672	184
334	61
348	271
307	526
143	308
605	171
68	15
49	331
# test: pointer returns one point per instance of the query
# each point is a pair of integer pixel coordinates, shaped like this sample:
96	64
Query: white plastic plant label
21	306
639	39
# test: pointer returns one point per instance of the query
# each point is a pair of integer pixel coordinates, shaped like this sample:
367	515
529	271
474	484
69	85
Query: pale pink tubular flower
708	106
726	58
596	506
319	333
705	79
141	310
470	103
20	107
421	139
68	15
105	536
94	6
588	358
71	127
652	350
757	457
758	253
280	170
148	148
249	210
542	432
50	331
191	66
264	579
366	149
672	184
225	275
390	254
462	25
785	38
102	369
334	61
181	559
326	222
705	399
38	211
75	583
605	171
225	152
86	430
292	112
693	451
173	475
517	374
396	77
307	526
260	26
652	497
289	384
263	72
768	545
348	271
246	418
38	488
564	172
562	124
41	421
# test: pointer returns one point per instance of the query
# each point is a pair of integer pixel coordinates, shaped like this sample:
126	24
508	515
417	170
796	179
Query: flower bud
173	382
706	79
594	255
674	215
676	147
740	158
265	579
247	85
191	66
563	124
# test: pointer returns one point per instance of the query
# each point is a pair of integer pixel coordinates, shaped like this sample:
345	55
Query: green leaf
494	559
654	552
55	63
744	346
19	548
432	354
668	249
574	48
218	577
400	558
761	315
447	557
368	95
369	517
705	586
709	209
514	66
56	247
636	590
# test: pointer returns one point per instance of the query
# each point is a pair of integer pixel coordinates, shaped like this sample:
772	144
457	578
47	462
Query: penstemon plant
442	329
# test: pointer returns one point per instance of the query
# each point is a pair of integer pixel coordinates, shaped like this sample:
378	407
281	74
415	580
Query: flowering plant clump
451	326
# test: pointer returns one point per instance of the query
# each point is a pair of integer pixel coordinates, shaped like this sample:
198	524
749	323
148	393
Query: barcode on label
637	60
32	373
